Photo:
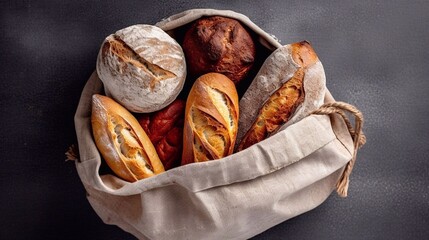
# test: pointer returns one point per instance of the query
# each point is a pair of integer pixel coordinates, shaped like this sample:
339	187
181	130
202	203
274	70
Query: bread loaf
165	130
142	68
122	142
219	44
211	119
289	85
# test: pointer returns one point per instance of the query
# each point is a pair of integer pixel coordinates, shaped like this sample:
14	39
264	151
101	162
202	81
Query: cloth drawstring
72	153
356	133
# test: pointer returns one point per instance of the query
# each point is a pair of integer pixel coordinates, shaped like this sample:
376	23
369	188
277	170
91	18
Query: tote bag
236	197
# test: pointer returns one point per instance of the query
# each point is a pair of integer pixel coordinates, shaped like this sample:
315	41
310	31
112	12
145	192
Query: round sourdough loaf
142	68
219	44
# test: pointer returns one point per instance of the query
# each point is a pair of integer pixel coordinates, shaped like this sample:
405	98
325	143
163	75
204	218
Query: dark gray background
375	55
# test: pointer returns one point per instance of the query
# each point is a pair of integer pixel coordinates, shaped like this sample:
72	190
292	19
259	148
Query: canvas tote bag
238	196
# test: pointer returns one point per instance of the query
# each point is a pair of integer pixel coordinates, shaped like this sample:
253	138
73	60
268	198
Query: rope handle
356	133
72	153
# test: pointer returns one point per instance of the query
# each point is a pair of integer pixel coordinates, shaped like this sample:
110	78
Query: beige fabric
233	198
185	17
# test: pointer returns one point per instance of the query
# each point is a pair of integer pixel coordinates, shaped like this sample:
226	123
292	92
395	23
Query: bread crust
219	44
211	119
289	85
142	68
276	110
122	142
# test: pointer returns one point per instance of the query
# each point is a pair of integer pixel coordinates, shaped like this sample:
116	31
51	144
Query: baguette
122	142
211	119
289	85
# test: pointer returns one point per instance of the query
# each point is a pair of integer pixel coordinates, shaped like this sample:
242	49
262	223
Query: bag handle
356	133
72	153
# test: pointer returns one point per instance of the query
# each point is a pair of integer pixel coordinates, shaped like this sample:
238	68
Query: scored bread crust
211	119
276	110
122	142
142	68
289	85
219	44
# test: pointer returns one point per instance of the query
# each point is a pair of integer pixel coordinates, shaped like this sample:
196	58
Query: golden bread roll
211	119
301	90
122	141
